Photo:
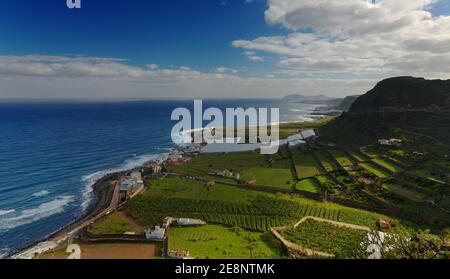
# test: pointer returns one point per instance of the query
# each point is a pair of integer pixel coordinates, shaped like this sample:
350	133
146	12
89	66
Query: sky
184	49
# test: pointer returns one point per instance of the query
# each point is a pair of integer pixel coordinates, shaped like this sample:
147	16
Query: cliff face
347	103
405	93
393	105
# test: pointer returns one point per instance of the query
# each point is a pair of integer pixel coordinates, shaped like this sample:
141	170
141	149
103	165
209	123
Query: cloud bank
67	77
330	47
357	38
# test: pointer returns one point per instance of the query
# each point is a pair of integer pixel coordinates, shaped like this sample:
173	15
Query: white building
295	137
296	143
308	134
190	222
384	142
157	234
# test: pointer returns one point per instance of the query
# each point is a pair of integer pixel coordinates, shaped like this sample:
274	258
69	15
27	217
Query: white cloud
252	56
355	37
333	47
65	77
223	70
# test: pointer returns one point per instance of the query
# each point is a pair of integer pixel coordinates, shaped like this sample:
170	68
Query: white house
384	142
157	234
393	141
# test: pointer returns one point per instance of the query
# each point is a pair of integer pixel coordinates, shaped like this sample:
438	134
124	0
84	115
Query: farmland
232	206
373	169
217	242
339	241
306	165
110	251
275	177
327	163
116	223
388	165
240	210
309	185
407	193
341	158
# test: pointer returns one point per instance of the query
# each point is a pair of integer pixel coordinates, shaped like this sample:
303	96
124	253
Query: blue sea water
51	154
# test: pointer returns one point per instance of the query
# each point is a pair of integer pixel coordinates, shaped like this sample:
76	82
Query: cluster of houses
155	166
389	142
131	185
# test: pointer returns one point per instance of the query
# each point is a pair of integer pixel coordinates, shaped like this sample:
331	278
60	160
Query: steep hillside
394	107
404	93
346	103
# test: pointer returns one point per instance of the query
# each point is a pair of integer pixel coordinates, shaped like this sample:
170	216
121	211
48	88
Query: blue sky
125	49
171	33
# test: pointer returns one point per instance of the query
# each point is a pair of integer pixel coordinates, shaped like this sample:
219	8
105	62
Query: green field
288	129
358	156
324	237
388	165
327	163
274	177
194	189
232	206
374	170
116	223
325	179
235	162
217	242
306	165
309	185
403	192
340	156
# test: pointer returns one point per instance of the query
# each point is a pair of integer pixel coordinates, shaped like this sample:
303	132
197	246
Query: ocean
52	153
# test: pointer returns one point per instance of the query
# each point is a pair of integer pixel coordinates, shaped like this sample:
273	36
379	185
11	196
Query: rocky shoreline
103	191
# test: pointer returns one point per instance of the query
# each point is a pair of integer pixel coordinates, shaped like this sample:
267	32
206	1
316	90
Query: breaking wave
6	212
41	193
91	179
31	215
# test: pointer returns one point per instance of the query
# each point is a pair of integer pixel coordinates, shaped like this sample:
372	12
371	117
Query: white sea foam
6	212
91	179
41	193
31	215
4	253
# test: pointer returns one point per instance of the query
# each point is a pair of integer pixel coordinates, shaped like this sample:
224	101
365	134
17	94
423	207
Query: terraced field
374	170
306	165
231	206
324	237
388	165
404	192
309	185
274	177
358	156
328	164
341	157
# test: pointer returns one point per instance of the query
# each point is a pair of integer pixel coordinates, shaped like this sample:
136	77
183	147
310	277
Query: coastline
103	191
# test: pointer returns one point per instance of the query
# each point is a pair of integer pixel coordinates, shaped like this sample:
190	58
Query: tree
421	245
